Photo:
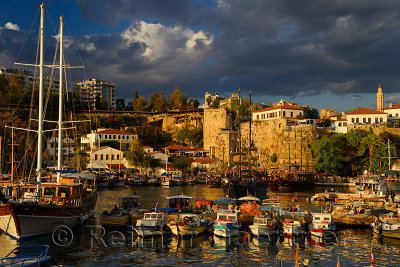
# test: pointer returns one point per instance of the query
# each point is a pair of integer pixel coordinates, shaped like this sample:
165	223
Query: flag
372	259
360	196
338	262
294	198
277	197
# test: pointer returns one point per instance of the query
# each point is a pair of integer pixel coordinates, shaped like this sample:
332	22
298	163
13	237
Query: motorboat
117	182
292	228
180	202
153	223
322	224
227	223
31	255
189	225
387	226
129	210
264	226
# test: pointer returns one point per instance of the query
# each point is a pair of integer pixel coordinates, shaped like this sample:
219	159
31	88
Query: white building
102	157
147	149
340	126
393	111
91	88
366	116
52	147
94	138
279	110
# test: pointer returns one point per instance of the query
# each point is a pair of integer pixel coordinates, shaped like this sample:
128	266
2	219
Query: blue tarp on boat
224	201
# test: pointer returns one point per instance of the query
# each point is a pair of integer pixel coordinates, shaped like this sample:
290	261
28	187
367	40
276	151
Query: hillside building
90	89
279	110
93	139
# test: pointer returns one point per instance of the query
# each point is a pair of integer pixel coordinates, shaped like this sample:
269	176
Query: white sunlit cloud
165	41
11	26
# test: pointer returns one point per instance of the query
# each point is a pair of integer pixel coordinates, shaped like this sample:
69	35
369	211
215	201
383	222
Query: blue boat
33	255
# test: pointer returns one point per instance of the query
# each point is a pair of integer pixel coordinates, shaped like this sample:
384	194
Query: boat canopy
249	198
179	196
269	208
86	176
224	201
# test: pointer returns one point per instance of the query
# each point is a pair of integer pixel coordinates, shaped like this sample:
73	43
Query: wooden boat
387	226
103	181
263	226
129	210
321	224
37	208
293	228
153	223
26	256
180	202
189	225
227	223
117	182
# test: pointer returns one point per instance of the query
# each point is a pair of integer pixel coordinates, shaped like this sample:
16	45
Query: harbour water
92	245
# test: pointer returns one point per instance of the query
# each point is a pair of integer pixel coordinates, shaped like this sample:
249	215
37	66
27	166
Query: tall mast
60	104
40	111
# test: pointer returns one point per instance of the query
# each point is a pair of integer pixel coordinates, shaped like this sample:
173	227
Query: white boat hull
260	231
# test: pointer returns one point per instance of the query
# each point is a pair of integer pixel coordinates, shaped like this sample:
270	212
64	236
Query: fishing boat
26	256
387	226
189	225
117	182
227	223
153	223
293	228
37	208
322	224
129	210
180	202
263	226
103	181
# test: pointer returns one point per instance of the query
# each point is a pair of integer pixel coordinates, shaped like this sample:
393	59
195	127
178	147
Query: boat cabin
262	220
322	220
154	216
179	202
227	216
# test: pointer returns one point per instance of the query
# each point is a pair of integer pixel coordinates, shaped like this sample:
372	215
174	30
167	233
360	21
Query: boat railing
29	255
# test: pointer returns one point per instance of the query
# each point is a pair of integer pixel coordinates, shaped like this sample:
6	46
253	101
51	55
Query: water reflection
353	246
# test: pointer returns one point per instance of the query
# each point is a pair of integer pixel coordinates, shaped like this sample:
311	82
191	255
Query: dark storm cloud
275	47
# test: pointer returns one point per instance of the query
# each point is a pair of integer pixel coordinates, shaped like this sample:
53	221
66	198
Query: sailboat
38	208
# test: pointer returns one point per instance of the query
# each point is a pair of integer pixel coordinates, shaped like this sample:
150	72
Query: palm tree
371	141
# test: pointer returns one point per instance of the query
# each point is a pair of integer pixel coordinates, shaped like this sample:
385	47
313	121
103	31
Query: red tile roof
112	131
363	111
393	107
279	107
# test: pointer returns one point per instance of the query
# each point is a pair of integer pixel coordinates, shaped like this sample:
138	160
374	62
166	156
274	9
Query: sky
327	54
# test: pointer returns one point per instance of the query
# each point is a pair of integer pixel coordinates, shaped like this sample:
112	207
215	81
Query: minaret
379	99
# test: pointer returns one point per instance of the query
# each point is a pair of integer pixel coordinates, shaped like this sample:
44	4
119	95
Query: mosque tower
379	99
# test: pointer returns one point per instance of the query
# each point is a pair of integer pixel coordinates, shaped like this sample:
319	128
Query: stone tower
379	99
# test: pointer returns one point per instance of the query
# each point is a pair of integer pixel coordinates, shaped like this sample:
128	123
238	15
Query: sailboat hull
23	221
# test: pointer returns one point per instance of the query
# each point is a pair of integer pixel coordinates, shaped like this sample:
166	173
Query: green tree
136	155
310	113
273	158
353	155
215	103
120	104
158	102
370	142
139	104
381	156
208	100
180	163
329	152
177	100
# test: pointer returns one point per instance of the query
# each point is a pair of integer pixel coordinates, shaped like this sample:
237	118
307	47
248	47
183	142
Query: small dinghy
33	255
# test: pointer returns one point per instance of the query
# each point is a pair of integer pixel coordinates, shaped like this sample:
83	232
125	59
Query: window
99	136
344	123
105	136
109	136
340	124
101	157
95	157
381	119
364	120
376	119
112	157
397	114
257	117
123	137
291	114
369	120
107	157
352	120
357	120
284	113
117	156
119	137
280	114
114	137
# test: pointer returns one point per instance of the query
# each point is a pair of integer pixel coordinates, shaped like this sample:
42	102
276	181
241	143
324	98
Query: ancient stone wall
216	122
281	137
